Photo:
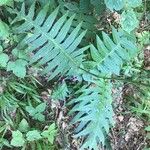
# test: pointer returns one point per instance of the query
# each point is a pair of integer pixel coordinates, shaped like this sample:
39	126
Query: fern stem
129	80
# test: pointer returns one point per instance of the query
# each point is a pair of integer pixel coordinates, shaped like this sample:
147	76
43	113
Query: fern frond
111	54
93	112
50	41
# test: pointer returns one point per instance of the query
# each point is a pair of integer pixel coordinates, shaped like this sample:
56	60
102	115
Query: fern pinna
56	45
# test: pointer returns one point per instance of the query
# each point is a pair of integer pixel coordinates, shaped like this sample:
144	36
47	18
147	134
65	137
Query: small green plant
50	133
21	139
36	113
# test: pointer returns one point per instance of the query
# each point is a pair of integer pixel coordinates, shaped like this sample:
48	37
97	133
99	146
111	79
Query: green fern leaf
61	92
134	3
129	20
50	40
93	112
111	54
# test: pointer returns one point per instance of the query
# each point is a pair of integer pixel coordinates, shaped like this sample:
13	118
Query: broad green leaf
134	3
40	108
129	20
23	125
3	59
33	135
144	37
85	5
50	133
17	139
4	30
18	67
115	4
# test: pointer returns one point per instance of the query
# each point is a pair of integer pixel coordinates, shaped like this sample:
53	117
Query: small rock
120	118
1	89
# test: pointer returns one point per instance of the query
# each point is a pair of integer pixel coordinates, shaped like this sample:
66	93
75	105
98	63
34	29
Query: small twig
114	137
142	144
